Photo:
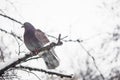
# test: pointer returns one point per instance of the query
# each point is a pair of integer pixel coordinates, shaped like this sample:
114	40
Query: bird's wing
41	37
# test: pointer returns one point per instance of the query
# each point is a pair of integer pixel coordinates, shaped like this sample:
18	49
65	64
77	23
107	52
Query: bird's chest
30	41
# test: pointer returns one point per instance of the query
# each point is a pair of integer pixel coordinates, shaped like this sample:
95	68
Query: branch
48	47
63	39
70	40
1	54
11	19
79	41
92	59
41	70
32	58
11	33
76	40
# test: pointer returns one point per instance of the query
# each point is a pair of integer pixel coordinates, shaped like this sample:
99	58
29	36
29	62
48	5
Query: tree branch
45	71
11	33
11	19
92	59
48	47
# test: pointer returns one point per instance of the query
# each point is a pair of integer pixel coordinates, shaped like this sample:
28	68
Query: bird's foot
35	52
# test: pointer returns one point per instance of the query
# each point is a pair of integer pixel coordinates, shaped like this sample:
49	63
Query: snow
8	62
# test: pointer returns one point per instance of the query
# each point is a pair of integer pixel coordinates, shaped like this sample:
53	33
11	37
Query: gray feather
51	59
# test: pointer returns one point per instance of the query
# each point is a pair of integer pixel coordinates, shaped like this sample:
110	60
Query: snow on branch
15	63
45	71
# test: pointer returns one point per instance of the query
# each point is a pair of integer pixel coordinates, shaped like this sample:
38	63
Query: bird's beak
22	26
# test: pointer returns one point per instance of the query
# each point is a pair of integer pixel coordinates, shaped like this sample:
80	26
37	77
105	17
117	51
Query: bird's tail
51	59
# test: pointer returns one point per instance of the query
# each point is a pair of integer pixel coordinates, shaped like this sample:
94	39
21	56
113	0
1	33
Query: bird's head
28	26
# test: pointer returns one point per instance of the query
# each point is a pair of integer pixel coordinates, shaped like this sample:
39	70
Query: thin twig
56	37
76	40
51	36
11	33
32	58
93	60
11	18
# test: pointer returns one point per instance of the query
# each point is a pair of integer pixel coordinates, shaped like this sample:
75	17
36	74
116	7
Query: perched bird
35	39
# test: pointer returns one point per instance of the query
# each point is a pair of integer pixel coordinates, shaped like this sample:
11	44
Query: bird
35	39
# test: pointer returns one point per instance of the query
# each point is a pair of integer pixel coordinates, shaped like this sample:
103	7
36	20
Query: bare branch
76	40
11	33
70	40
1	54
55	37
19	46
51	36
93	60
11	18
45	71
62	39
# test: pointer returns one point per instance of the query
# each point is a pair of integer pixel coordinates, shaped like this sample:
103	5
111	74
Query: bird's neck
29	30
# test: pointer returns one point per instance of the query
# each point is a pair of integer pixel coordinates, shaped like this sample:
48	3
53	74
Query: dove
35	39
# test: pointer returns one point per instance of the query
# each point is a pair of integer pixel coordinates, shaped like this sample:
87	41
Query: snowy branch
45	71
2	71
